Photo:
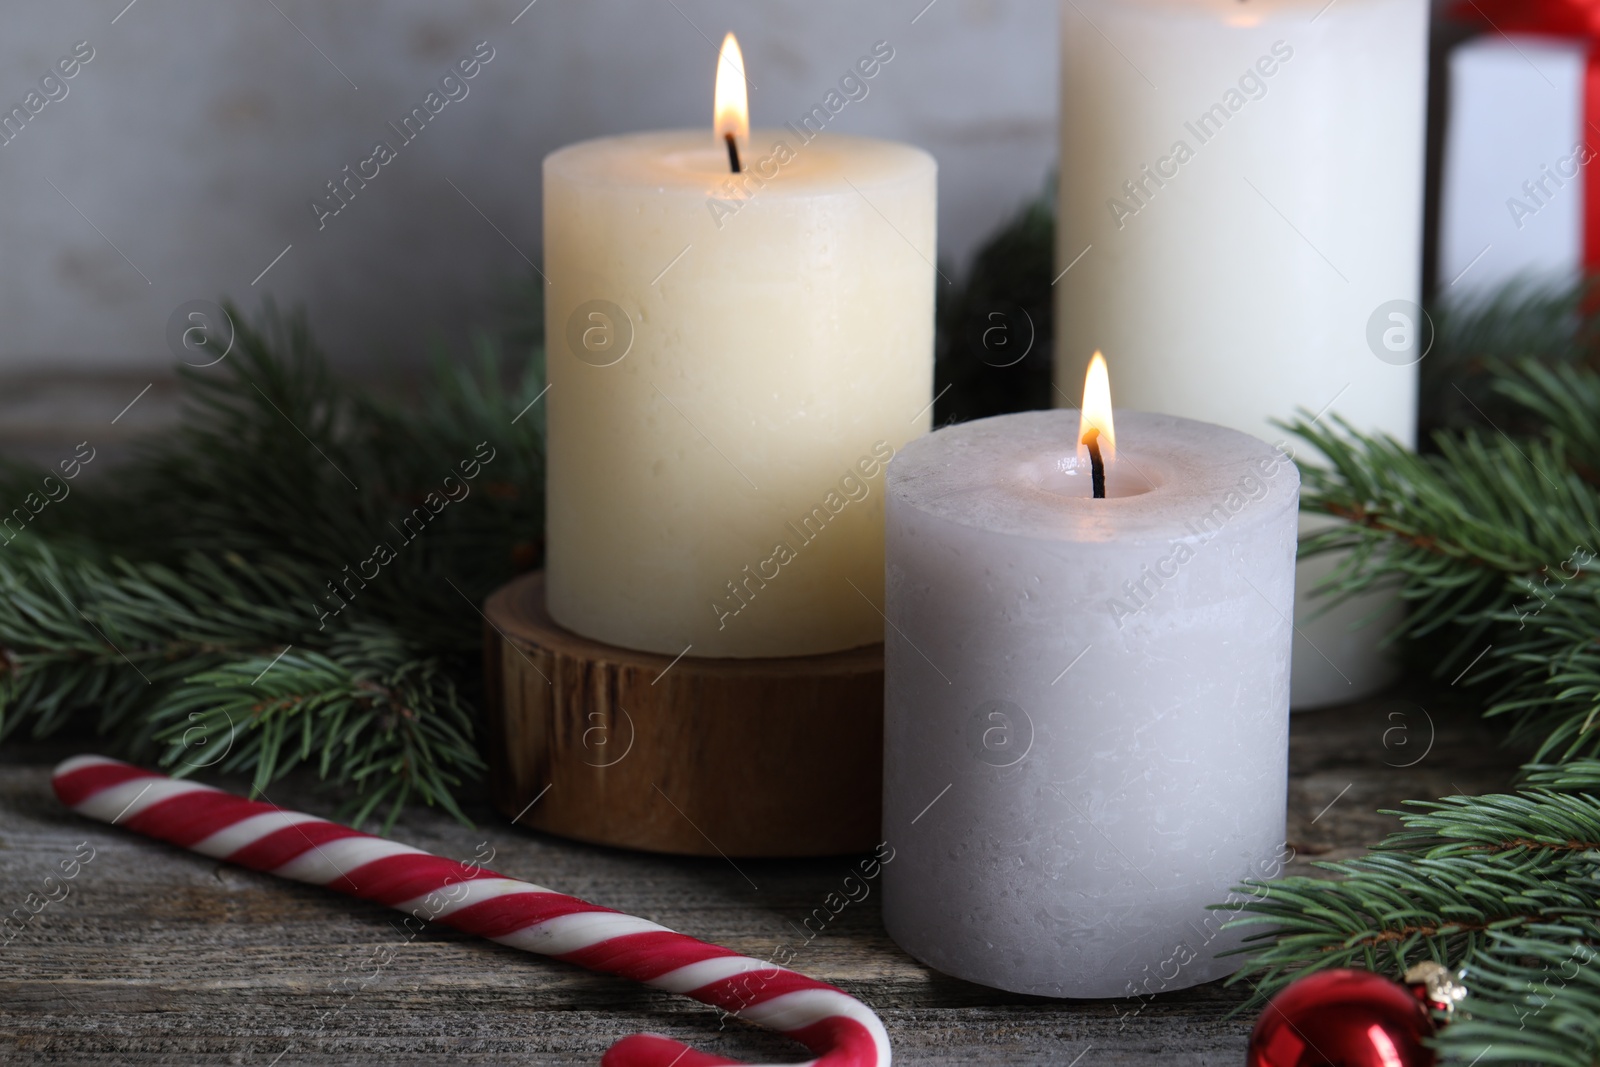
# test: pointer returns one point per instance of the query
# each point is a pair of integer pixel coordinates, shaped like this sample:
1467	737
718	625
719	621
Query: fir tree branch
82	635
1462	534
1549	672
1535	998
994	340
247	606
374	714
1488	538
1525	320
277	456
1469	881
1563	401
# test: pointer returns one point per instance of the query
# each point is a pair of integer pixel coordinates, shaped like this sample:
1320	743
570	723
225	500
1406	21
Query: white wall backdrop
185	153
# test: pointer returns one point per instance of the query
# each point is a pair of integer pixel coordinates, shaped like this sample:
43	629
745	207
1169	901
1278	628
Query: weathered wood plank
156	955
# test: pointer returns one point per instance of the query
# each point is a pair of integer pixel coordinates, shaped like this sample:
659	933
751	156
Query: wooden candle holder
738	757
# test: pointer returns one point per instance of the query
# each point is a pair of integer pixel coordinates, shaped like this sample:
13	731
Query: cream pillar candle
1243	183
1086	721
732	360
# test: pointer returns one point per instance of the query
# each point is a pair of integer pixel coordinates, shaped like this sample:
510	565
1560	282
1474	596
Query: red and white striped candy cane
842	1030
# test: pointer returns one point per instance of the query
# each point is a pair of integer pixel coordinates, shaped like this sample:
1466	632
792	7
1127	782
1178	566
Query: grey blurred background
184	157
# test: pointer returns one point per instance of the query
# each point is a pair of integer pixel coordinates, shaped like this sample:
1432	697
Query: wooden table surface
157	955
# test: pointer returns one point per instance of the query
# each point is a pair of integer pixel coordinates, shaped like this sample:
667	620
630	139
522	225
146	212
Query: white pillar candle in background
732	360
1243	182
1086	721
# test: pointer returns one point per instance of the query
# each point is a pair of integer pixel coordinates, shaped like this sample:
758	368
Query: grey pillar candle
1086	721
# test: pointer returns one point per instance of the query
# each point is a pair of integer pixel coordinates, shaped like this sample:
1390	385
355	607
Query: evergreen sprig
81	635
995	338
221	603
1526	319
374	713
1492	539
1472	882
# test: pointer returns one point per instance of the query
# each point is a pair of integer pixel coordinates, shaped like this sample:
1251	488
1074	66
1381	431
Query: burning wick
1094	422
730	102
1091	438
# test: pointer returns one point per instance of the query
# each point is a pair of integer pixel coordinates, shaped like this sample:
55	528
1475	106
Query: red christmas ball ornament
1343	1018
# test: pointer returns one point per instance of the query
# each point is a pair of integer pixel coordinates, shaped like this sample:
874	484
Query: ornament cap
1441	988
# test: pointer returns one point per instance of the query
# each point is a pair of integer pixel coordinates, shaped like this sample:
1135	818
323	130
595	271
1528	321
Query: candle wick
733	152
1091	438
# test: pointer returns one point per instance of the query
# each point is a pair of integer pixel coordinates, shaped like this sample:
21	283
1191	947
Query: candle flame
1096	411
730	108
